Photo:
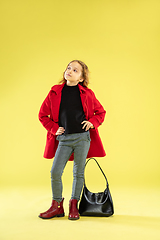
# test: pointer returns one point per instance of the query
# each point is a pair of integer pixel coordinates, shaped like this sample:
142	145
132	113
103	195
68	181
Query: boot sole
73	218
59	215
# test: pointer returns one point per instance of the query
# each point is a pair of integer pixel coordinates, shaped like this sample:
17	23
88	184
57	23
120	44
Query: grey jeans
78	143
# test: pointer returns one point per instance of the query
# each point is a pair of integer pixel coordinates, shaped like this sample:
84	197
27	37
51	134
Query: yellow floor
137	216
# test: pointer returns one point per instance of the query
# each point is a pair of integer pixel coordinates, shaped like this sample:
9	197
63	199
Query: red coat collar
58	88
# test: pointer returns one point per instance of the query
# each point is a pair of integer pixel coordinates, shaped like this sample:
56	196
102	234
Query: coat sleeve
45	116
99	112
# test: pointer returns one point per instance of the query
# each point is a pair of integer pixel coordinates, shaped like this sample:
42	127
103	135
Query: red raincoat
49	113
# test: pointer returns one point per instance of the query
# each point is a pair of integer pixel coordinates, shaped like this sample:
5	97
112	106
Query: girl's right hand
60	131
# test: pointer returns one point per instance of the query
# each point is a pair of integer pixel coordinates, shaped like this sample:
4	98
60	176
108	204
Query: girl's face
73	74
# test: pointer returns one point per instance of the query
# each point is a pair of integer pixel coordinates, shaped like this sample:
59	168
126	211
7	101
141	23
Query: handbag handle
99	168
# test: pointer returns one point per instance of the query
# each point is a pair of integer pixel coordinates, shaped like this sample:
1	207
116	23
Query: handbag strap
99	168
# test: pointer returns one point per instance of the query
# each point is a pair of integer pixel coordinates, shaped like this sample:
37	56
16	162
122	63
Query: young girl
71	114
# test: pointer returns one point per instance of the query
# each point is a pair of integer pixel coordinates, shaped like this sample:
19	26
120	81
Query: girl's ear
81	80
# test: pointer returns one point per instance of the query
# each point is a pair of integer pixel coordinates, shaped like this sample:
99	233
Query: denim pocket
57	138
60	137
88	136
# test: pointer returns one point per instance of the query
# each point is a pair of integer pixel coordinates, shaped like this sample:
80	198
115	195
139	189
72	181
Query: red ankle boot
56	210
73	211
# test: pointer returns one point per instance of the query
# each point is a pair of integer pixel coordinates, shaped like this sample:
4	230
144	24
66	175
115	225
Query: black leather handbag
96	204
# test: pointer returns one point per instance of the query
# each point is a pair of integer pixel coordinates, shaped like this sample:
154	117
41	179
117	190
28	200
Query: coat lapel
57	100
83	99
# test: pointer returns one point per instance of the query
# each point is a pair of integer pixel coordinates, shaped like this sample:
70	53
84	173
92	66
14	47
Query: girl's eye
75	70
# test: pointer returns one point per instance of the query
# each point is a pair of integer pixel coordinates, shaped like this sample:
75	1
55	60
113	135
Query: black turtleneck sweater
71	112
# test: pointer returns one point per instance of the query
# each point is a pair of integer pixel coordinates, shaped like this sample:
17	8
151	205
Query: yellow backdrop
119	41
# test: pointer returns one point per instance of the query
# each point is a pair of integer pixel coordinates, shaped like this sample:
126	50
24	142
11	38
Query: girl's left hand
87	125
